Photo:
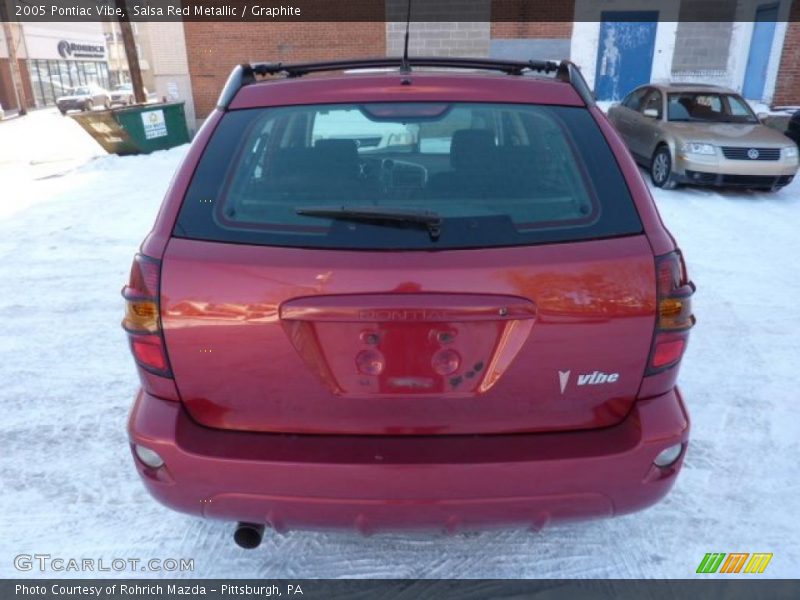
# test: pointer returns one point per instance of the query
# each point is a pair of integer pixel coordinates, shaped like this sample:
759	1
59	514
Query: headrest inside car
472	148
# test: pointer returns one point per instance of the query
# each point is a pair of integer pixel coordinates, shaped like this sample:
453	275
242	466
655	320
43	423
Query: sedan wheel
661	169
89	106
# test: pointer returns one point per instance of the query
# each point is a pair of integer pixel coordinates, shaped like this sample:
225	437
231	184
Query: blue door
625	52
755	76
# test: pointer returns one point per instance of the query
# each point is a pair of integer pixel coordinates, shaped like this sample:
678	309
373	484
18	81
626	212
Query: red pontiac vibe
399	298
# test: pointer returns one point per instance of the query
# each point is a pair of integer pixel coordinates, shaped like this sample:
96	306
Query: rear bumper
400	482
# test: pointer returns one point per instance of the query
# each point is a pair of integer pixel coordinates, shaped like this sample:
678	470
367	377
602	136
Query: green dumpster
138	129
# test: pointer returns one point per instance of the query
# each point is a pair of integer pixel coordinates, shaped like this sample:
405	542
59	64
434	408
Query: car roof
690	87
394	86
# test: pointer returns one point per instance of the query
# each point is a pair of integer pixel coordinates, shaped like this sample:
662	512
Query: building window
53	78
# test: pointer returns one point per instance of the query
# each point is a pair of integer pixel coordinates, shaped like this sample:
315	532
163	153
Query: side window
634	99
738	107
653	101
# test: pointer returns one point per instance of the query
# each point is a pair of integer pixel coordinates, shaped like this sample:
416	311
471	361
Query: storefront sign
77	50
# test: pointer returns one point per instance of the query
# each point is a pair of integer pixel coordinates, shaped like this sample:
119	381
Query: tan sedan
702	135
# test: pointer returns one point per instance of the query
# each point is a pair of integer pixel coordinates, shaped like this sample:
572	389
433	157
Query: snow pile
70	489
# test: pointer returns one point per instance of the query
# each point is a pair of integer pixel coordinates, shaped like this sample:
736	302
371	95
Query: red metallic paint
595	310
402	335
421	87
398	482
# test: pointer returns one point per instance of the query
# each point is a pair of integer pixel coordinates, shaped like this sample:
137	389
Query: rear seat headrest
471	148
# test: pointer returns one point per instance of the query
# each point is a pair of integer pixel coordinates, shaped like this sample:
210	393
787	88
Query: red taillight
148	350
667	352
674	315
142	316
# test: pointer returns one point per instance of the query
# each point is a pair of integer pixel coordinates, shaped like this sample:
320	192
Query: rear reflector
667	352
148	351
149	457
142	316
667	457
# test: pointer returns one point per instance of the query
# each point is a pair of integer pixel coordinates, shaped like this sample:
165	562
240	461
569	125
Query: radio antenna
404	66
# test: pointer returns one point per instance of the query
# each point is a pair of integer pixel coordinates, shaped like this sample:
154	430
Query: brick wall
787	86
523	30
214	48
526	29
525	19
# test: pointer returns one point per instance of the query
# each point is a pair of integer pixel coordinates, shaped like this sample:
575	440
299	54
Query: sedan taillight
674	316
142	319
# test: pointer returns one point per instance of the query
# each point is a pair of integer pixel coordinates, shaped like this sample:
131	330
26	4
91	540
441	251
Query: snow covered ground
69	489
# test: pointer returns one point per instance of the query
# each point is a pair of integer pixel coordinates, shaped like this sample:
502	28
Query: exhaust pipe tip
248	535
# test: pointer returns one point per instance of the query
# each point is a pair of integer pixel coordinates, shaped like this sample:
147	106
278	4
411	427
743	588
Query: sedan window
709	107
653	101
634	99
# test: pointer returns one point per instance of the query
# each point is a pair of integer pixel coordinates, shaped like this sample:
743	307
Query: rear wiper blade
425	218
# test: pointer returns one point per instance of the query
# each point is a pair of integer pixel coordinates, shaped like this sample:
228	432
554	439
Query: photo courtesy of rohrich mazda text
459	297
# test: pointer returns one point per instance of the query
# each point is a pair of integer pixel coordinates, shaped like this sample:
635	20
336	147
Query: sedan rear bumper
400	482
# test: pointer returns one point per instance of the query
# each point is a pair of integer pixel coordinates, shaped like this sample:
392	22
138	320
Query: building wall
431	35
702	46
118	60
40	42
524	30
170	66
439	38
787	88
709	52
733	69
586	33
702	52
213	49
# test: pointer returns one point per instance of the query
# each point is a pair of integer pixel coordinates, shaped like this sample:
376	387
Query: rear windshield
491	174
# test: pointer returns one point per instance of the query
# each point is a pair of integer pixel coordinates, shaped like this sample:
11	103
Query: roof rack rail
511	67
245	74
